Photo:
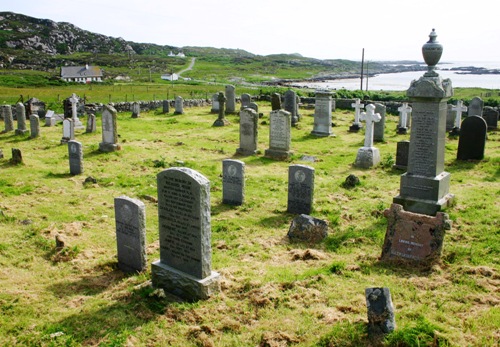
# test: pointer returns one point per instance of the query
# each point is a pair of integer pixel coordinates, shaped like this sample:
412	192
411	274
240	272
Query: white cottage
82	74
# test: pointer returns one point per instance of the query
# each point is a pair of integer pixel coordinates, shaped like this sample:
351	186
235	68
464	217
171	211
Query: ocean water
402	80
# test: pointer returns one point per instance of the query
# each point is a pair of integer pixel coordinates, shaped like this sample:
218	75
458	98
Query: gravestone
179	105
450	117
356	125
109	130
404	118
75	151
472	138
413	236
381	319
68	130
275	102
136	110
233	182
254	106
290	105
300	189
230	99
457	109
323	114
490	115
130	221
402	150
308	229
34	126
50	120
424	188
91	124
279	135
248	132
368	155
21	119
246	99
74	114
476	106
221	119
215	103
8	119
185	265
17	157
166	106
379	127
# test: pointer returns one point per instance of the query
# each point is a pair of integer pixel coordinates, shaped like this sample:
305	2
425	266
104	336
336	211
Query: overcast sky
324	29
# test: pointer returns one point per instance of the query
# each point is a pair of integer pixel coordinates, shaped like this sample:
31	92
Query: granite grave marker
300	189
233	182
248	132
472	139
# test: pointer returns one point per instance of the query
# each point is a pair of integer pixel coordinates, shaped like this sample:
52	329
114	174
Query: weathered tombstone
50	120
424	188
414	236
91	124
300	189
68	130
404	117
185	265
248	132
402	150
74	114
246	99
323	114
381	319
254	106
476	106
379	127
21	119
136	110
17	157
450	117
279	135
215	103
109	130
230	99
34	126
179	105
472	138
233	182
275	102
7	117
308	229
356	125
290	105
166	106
130	221
75	151
221	119
368	155
457	109
490	115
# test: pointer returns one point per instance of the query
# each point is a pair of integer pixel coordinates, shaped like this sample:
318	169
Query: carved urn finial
432	51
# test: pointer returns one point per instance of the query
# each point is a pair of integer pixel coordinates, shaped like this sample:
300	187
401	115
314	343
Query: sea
401	81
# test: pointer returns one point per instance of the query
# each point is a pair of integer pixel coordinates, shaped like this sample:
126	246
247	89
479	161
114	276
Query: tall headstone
230	99
404	117
185	265
424	188
166	106
450	117
233	182
290	105
248	132
472	139
275	101
323	114
379	127
381	319
68	130
246	99
130	221
179	105
75	152
7	117
34	126
109	130
91	124
74	114
476	106
356	125
458	109
221	119
215	103
279	135
490	115
136	110
300	189
368	155
402	150
21	119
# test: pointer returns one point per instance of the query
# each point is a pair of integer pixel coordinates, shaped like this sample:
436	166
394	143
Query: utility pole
362	63
367	75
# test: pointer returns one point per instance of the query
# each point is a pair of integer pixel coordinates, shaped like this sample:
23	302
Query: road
190	67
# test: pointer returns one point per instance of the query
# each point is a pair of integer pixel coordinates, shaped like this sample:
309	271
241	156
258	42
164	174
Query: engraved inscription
279	136
423	143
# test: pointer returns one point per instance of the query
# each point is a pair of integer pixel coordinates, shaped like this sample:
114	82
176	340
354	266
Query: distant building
170	77
179	55
82	74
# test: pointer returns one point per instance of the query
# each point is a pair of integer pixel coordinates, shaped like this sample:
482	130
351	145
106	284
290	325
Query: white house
170	77
82	74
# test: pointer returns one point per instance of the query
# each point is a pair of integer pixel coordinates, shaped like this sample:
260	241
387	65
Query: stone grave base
182	284
176	112
321	134
242	151
354	128
402	131
109	147
221	122
277	154
367	157
21	132
413	236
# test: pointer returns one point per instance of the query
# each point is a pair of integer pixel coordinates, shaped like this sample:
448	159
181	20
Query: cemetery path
190	67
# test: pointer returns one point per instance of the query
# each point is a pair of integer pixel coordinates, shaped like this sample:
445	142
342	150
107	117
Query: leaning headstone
34	126
457	109
130	221
472	139
246	99
233	182
50	120
230	99
215	103
412	236
300	189
68	130
490	115
279	135
450	117
136	110
185	265
402	150
308	229
248	132
323	114
275	101
166	106
368	155
21	119
381	319
379	127
404	118
7	117
179	105
91	124
17	157
109	130
75	151
476	106
74	114
221	119
290	105
356	125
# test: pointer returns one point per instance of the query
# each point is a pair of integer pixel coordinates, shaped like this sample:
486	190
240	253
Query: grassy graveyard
274	292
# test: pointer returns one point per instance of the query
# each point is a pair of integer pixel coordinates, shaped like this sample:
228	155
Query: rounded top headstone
432	51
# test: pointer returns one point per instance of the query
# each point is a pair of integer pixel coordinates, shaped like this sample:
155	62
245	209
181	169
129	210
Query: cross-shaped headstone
458	109
403	114
370	117
74	100
357	108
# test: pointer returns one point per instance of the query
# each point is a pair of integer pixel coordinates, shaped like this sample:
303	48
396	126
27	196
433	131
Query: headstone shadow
58	175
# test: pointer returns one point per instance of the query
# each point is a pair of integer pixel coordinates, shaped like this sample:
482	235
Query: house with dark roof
82	74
